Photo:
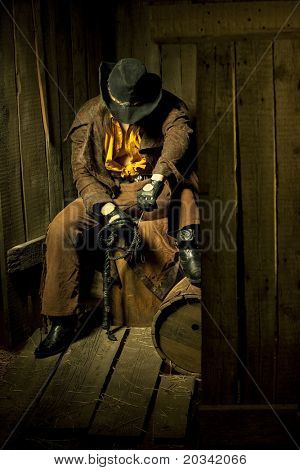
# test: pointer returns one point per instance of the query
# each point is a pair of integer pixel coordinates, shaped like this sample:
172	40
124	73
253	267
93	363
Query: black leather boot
59	337
190	252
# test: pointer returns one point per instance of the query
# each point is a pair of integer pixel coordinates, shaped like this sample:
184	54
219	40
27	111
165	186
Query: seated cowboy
130	159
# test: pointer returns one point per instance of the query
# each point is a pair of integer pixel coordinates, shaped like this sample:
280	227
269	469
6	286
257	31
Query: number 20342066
217	459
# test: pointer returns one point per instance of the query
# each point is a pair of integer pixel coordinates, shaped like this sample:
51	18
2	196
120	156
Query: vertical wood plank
12	230
179	69
188	76
171	68
258	193
32	139
44	14
79	58
133	34
217	162
94	47
287	91
10	174
152	52
124	36
66	90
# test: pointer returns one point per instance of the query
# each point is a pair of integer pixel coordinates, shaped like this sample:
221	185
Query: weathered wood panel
12	230
94	46
217	158
72	396
172	407
179	69
247	427
66	90
133	34
32	139
193	22
79	59
171	68
258	212
19	388
287	73
25	255
124	404
44	15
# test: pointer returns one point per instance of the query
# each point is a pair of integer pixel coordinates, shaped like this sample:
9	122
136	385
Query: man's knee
65	225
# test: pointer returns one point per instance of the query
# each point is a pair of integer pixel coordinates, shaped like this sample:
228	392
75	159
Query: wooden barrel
176	328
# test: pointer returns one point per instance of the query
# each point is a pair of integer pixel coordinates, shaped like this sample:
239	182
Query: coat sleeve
89	188
176	131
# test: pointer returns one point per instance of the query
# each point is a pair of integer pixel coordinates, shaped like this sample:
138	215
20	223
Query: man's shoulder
90	109
87	113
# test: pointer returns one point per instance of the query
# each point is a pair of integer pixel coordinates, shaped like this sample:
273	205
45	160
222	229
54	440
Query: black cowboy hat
129	91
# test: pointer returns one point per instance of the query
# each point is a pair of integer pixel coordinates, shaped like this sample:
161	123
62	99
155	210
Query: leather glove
147	196
117	224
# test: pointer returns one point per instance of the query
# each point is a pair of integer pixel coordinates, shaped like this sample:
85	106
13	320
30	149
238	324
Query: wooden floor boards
100	391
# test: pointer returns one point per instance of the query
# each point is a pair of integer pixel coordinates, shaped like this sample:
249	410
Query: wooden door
237	67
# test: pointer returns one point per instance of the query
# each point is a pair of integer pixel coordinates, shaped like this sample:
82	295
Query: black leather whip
107	241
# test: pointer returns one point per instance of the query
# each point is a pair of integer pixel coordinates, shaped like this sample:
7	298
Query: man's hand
147	196
111	212
116	225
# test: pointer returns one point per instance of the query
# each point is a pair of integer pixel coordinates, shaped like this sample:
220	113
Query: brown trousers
67	244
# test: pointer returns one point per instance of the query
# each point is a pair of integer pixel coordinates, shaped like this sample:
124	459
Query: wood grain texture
133	34
25	255
177	330
256	128
246	427
217	158
10	174
124	36
94	20
12	230
66	90
172	406
181	21
32	139
79	58
72	395
45	24
124	404
287	92
179	68
21	384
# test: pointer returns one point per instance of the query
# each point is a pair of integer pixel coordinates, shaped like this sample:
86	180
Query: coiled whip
107	241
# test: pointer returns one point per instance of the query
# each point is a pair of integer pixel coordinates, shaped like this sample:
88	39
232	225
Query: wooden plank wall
217	158
35	172
251	161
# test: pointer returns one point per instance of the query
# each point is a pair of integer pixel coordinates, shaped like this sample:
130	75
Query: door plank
197	21
217	165
287	73
258	193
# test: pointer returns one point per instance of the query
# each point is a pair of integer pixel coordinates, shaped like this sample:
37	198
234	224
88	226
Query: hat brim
126	114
